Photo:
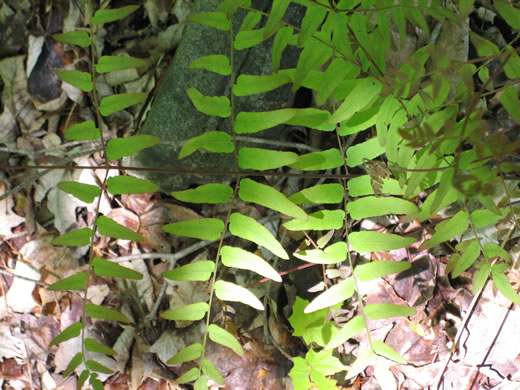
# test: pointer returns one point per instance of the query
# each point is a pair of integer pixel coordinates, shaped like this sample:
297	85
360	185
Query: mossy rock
173	117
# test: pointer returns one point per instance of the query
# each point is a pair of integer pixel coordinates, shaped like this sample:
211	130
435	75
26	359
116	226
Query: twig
254	140
296	145
11	273
181	171
37	175
48	151
456	340
440	376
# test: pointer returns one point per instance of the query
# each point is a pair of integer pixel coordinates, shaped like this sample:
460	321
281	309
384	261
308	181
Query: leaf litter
33	317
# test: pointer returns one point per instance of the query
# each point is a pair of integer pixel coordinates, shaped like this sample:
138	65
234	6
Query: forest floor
36	110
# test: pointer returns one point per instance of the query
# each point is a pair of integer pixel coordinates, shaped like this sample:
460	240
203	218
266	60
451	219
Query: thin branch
194	172
45	151
469	313
295	145
46	170
12	273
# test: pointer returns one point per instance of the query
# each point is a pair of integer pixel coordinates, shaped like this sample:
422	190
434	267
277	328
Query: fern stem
231	202
94	79
349	255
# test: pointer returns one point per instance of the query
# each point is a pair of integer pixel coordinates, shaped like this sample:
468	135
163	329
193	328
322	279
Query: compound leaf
322	193
503	285
349	330
510	101
189	376
213	141
234	257
377	269
223	337
103	16
203	229
84	192
74	282
335	294
113	63
493	250
248	38
105	313
198	271
81	80
250	21
110	228
73	364
253	122
388	352
83	131
207	193
251	84
201	383
371	206
187	354
103	267
115	103
484	47
80	38
365	150
480	276
316	161
95	383
510	14
369	241
98	367
227	291
93	346
122	147
448	229
264	159
192	312
281	40
216	20
211	371
311	117
471	253
217	63
320	220
311	326
485	217
80	237
332	77
82	378
251	191
360	96
210	105
249	229
313	18
69	333
275	16
427	209
315	54
130	185
379	311
333	254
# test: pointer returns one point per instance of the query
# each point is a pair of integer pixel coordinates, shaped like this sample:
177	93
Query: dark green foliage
429	134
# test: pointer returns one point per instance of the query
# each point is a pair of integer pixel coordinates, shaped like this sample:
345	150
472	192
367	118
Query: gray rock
173	117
